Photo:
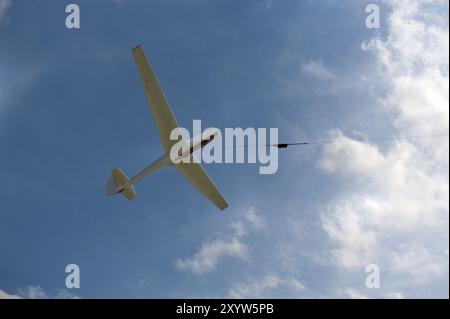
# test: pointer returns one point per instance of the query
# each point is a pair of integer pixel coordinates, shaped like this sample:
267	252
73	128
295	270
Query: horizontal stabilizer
119	184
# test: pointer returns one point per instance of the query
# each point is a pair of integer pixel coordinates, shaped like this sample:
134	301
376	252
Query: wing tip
139	46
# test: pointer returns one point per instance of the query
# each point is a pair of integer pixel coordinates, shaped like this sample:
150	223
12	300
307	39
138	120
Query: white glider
165	122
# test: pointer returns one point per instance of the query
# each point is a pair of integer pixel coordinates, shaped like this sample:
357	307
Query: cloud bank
395	211
211	252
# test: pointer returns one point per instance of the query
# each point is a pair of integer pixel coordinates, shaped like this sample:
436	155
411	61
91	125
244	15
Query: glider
119	183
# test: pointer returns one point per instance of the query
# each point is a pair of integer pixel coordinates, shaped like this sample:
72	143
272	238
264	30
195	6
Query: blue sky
72	108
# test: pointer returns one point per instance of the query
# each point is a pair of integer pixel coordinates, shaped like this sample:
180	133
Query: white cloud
264	287
211	252
295	285
254	288
36	292
347	227
4	7
352	293
318	70
254	220
64	294
30	292
395	208
323	80
33	292
394	295
5	295
350	157
417	261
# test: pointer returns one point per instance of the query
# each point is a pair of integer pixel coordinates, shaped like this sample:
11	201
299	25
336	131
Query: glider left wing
198	177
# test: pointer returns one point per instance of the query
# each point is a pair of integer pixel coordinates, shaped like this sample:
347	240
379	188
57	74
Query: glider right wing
162	113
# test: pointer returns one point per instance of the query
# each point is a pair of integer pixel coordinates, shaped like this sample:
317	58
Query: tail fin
118	183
